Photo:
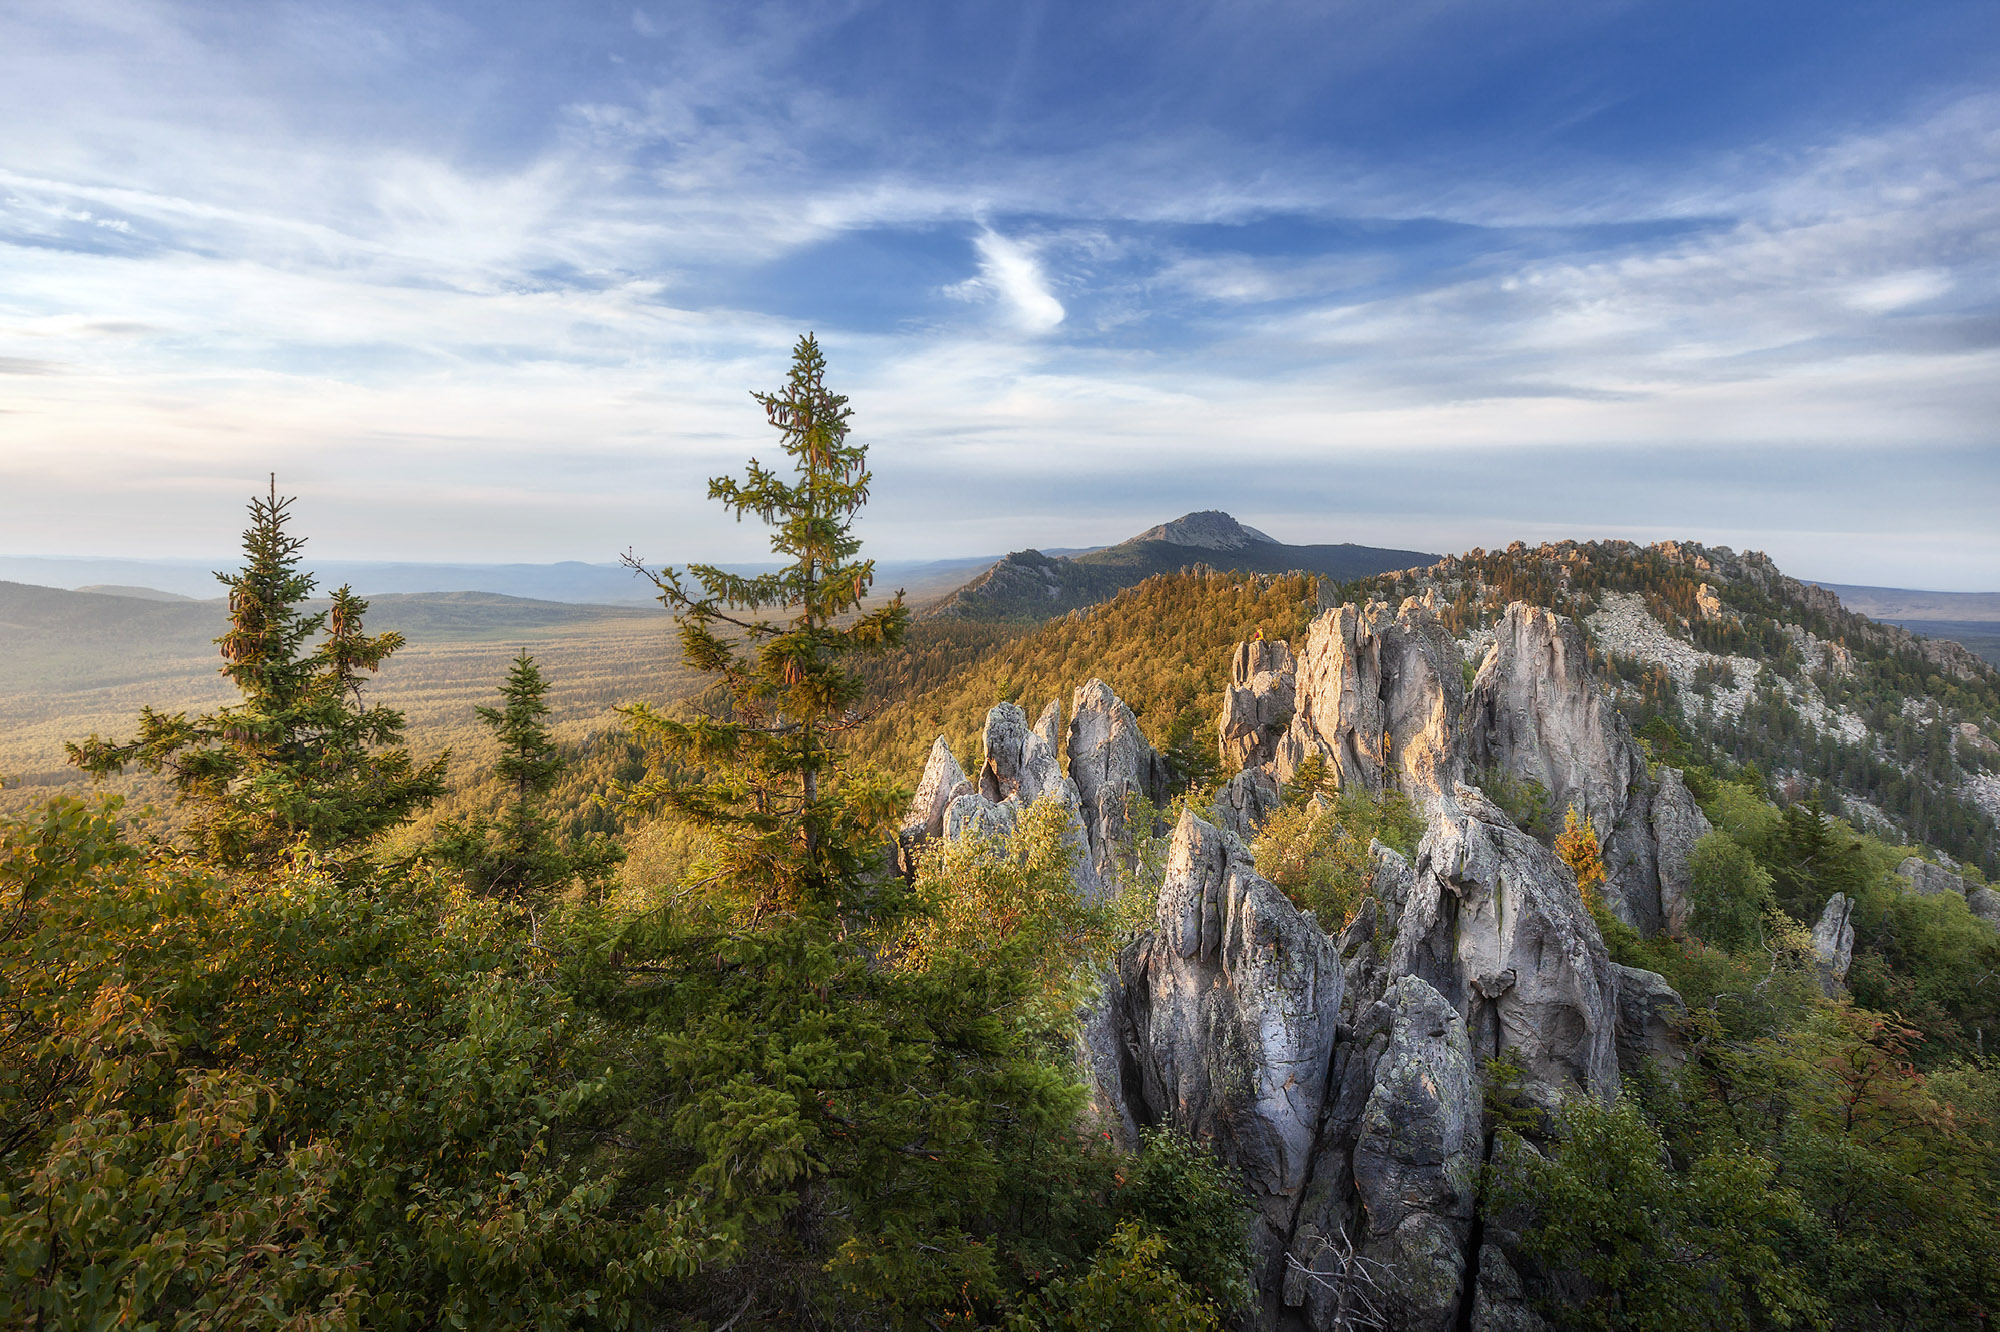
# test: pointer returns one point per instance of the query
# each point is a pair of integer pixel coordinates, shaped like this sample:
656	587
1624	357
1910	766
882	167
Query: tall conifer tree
303	762
796	829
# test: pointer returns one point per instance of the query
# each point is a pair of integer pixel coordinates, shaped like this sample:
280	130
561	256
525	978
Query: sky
493	282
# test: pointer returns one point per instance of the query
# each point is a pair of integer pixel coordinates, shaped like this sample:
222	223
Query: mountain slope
1028	585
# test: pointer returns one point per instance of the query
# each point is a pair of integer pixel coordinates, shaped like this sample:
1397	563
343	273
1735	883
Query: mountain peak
1210	529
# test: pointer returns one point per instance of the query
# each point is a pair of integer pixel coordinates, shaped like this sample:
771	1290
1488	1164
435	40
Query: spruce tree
794	829
303	763
521	855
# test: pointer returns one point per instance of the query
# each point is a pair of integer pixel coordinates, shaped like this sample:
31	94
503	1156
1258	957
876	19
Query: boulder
1113	768
1416	1161
1649	1013
1833	943
1536	713
1678	824
1257	704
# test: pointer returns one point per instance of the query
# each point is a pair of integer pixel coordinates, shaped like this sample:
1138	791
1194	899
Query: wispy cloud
459	245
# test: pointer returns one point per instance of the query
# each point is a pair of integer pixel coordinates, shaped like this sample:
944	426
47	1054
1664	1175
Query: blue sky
491	282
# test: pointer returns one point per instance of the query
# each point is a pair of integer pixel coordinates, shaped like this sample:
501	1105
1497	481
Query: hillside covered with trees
645	1029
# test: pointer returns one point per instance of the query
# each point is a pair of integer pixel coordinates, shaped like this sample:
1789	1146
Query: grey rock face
1499	1304
1833	943
973	815
1648	1009
1257	705
1378	698
1021	767
1102	1052
1239	994
1111	764
1927	880
941	784
1245	801
1678	824
1985	904
1416	1161
1495	921
1536	712
1049	726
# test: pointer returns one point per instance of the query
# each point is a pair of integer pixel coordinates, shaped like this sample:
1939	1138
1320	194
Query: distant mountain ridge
1029	585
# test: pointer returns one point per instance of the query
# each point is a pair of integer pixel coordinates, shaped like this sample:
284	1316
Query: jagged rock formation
1110	761
1649	1016
1495	922
1377	700
1113	768
1227	1013
1244	801
1833	943
1365	1144
1416	1159
1380	699
1257	706
943	782
1536	713
1341	1077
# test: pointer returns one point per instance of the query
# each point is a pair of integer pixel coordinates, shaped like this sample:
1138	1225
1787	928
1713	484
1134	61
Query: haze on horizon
489	283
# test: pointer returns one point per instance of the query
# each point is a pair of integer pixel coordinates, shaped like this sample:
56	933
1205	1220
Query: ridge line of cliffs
1342	1075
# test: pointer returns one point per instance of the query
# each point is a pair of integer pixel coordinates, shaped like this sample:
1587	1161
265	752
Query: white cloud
1009	271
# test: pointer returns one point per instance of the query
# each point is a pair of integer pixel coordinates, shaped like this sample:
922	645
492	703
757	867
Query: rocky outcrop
1257	704
1416	1160
1678	824
1244	801
973	815
1927	880
1494	921
1648	1019
1833	943
943	782
1378	700
1113	768
1229	1013
1536	713
1020	765
1985	904
1499	1302
1340	1078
